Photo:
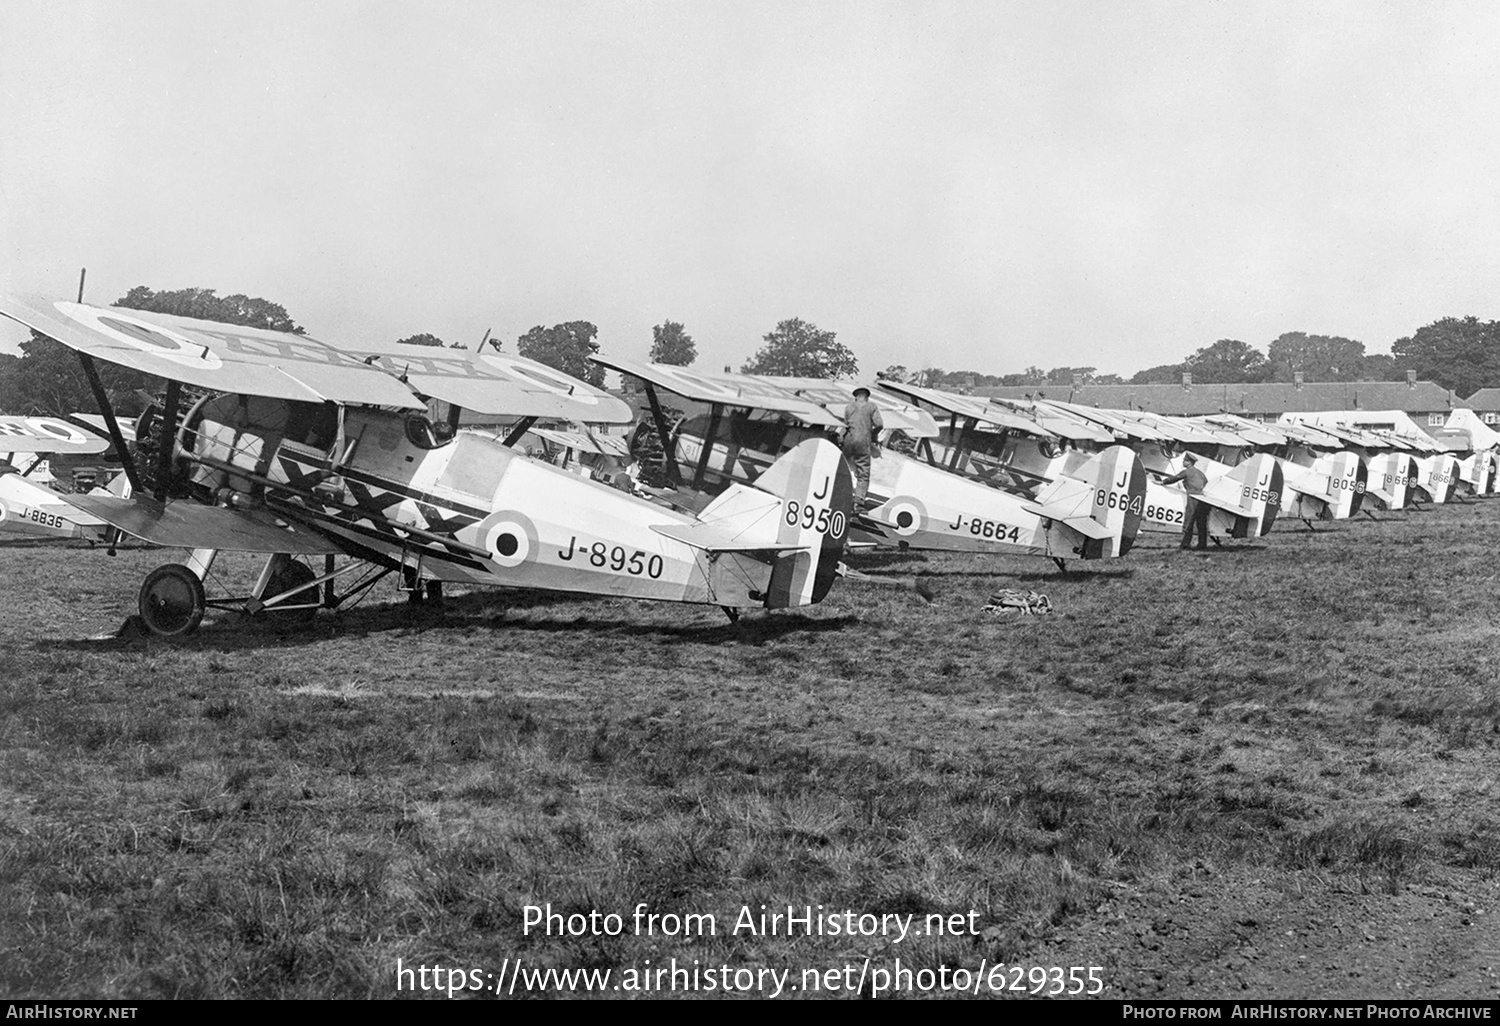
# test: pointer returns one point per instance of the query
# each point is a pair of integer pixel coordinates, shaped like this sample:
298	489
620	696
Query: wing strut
708	445
668	448
102	398
958	443
168	431
518	430
925	448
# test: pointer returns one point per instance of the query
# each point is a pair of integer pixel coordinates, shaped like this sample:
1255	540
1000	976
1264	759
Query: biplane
1392	467
1091	512
29	509
298	448
1027	445
1320	479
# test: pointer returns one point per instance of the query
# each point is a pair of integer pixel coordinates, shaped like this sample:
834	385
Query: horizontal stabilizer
187	525
1067	513
716	537
1088	527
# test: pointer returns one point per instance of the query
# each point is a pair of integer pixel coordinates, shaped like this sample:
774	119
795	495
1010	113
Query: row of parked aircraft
297	448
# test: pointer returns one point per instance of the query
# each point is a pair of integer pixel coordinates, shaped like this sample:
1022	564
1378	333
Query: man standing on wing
1194	480
862	425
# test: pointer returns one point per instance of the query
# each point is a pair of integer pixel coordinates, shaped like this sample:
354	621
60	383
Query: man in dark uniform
1196	516
862	425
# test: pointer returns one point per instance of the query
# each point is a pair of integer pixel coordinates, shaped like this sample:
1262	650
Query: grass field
271	813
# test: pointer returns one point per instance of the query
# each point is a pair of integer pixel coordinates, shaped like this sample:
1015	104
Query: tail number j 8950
815	518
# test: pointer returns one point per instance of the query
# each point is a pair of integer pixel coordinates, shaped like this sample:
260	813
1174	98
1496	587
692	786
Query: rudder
817	491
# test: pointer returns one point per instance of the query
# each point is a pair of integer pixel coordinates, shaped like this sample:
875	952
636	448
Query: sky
979	185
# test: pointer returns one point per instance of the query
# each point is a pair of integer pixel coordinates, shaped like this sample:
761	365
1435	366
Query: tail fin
1348	477
1250	493
1107	509
804	532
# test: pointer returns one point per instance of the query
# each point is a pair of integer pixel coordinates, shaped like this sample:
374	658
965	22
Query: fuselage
464	508
916	504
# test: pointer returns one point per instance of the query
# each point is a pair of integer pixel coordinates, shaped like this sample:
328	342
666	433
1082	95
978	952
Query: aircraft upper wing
188	525
1064	425
254	361
219	357
496	383
964	406
1252	432
1297	431
742	390
1182	430
47	434
835	395
1114	420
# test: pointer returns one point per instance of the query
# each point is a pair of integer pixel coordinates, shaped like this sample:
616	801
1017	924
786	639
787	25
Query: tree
895	372
670	344
1318	357
1380	367
566	347
424	339
1227	361
798	349
1161	374
205	306
1064	375
1458	353
48	379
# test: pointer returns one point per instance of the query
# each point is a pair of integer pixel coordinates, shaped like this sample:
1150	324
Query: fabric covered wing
219	357
188	525
47	434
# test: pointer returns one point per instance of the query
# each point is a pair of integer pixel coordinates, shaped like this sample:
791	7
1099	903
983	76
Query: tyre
172	601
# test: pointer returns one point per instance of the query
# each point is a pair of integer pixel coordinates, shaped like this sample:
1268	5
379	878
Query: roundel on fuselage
511	539
906	515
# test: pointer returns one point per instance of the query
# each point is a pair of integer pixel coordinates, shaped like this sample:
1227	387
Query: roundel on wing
552	381
3	511
140	335
906	515
511	538
57	429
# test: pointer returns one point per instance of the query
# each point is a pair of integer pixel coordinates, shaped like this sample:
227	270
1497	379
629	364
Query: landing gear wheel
172	601
292	574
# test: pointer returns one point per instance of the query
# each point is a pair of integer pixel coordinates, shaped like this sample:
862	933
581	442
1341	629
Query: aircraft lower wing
73	514
188	525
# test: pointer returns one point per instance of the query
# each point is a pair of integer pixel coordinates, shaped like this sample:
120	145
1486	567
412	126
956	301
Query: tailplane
797	515
1101	500
1250	493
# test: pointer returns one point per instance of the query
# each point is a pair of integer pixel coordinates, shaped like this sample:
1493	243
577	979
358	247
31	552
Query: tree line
1462	354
